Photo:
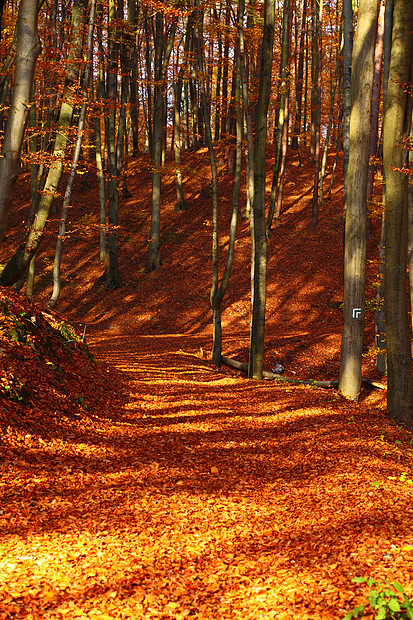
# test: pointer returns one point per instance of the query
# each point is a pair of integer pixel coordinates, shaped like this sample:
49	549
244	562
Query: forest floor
150	484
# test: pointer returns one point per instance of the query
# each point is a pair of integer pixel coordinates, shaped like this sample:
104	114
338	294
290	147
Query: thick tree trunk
259	236
397	128
28	48
356	214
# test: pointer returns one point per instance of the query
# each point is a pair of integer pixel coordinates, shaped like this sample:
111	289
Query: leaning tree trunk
20	261
259	236
396	130
356	214
28	48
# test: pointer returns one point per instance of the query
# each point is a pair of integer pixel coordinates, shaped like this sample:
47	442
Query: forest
206	248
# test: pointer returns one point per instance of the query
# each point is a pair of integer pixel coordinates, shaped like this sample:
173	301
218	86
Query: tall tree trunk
225	73
133	86
28	48
259	236
248	124
356	215
282	120
218	289
330	125
112	276
348	50
317	48
296	143
218	82
375	99
397	121
380	318
180	199
68	193
161	64
100	96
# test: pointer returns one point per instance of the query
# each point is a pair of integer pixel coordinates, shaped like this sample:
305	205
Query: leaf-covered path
204	495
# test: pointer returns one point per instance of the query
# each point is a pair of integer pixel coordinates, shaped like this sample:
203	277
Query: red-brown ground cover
151	484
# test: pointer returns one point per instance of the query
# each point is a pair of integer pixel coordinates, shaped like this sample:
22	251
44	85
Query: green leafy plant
67	332
81	401
13	388
401	478
385	600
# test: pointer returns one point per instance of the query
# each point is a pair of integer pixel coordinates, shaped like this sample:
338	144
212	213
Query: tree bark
348	50
396	129
356	214
28	48
283	111
161	64
259	236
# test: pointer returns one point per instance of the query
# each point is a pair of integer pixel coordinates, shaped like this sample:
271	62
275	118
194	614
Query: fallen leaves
158	487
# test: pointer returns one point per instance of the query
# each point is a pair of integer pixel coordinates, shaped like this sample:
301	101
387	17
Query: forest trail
176	490
255	500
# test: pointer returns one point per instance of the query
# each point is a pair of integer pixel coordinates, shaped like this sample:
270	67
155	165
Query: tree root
271	376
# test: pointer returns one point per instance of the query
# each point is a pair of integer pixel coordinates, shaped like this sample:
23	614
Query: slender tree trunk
112	280
247	108
68	193
375	99
380	318
148	71
284	146
318	42
356	215
100	95
28	48
259	236
284	87
225	73
216	313
134	101
296	143
348	50
180	199
161	64
397	121
328	133
218	83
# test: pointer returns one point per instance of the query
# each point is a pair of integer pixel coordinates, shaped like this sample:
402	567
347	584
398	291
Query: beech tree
397	122
258	228
162	54
28	48
356	207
